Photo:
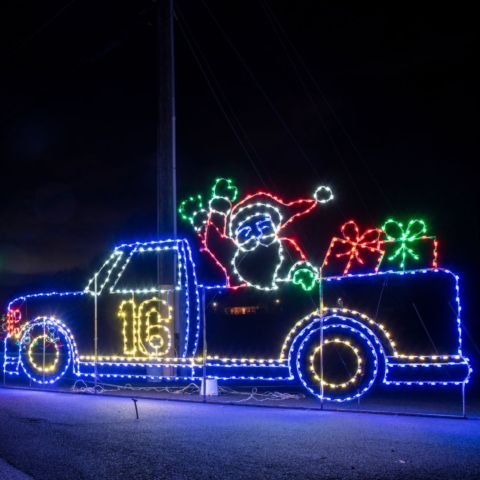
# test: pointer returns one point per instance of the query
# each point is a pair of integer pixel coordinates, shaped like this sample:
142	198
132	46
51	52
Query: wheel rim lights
313	330
47	322
348	382
43	368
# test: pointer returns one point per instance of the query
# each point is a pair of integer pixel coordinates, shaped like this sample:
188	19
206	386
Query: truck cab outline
385	364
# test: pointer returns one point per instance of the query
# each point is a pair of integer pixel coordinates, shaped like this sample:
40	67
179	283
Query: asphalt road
65	436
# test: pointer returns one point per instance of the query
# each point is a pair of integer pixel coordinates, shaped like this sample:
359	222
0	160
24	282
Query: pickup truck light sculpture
285	336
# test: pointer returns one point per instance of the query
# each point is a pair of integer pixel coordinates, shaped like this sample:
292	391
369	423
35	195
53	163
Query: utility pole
166	156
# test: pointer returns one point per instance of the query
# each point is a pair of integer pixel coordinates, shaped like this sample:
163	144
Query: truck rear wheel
344	367
45	351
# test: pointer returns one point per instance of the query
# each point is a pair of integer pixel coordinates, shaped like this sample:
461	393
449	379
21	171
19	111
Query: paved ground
64	436
7	472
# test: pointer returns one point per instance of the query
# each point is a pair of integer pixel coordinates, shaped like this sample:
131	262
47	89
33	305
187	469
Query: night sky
380	103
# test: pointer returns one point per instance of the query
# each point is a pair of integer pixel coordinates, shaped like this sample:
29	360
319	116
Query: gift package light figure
275	317
359	252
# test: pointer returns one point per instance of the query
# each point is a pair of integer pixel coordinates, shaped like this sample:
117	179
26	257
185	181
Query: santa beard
259	266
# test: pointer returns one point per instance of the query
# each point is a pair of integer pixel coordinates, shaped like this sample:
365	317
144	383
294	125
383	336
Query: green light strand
190	207
224	188
304	275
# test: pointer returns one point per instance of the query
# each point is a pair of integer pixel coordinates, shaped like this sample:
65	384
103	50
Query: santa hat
281	213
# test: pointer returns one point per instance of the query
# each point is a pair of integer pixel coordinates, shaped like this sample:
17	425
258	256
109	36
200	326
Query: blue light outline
392	361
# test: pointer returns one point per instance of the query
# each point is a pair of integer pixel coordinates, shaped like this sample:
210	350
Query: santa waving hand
245	237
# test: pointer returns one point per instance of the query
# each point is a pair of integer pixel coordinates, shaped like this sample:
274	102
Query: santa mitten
225	188
303	274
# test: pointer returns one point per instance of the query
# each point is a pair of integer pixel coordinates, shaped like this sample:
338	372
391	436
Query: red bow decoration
355	242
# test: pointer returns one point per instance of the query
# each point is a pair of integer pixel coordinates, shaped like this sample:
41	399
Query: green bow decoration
395	231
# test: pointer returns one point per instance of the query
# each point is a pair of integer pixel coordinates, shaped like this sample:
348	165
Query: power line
313	102
279	30
203	69
41	28
260	88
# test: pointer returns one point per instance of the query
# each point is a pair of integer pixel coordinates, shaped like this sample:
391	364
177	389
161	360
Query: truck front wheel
341	368
45	350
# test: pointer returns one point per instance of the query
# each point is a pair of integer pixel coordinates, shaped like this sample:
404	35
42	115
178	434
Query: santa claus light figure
245	237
